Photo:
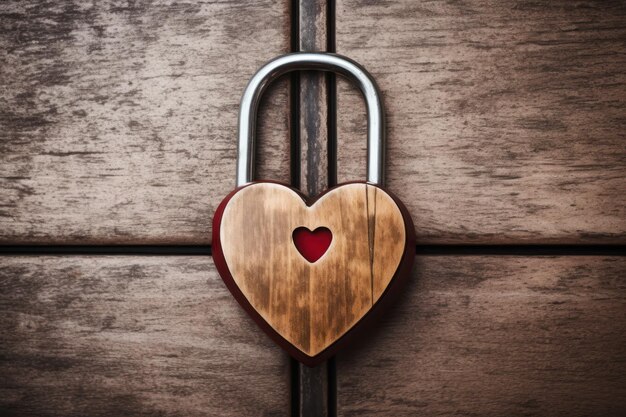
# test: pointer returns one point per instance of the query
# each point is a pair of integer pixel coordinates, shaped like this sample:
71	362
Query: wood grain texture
496	336
310	305
506	119
131	336
118	119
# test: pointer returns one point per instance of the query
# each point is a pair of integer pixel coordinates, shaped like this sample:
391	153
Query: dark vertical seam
294	384
331	129
331	98
294	154
370	240
294	99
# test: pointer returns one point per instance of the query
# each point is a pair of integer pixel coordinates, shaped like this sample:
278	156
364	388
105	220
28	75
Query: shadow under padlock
312	272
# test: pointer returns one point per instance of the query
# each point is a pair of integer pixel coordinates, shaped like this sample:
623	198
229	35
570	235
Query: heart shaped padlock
311	273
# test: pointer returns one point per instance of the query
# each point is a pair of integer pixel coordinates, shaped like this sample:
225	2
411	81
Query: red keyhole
312	244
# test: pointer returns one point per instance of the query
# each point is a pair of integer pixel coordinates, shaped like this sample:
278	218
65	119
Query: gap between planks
205	250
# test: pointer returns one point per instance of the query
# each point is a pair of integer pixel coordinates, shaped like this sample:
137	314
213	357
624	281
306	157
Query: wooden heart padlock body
310	306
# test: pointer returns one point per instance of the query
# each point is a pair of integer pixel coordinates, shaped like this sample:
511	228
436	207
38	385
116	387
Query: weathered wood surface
311	303
131	336
506	119
496	336
118	119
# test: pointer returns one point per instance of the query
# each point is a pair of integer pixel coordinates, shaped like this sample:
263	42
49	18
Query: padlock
312	272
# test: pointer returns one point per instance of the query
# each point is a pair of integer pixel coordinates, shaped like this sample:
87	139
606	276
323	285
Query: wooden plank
112	336
118	121
495	336
505	119
313	135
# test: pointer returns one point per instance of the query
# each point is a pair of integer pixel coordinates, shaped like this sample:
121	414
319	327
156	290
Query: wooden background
507	124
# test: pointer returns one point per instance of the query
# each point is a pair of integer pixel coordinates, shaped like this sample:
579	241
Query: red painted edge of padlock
390	294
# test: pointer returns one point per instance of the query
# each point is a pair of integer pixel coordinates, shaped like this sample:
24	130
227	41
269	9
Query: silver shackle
311	61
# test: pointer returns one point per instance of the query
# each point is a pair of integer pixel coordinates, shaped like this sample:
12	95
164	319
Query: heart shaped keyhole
312	244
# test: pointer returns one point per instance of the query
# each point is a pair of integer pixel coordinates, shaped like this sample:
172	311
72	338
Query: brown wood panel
496	336
113	336
506	119
118	119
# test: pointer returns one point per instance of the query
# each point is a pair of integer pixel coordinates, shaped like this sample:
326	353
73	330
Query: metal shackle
311	61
